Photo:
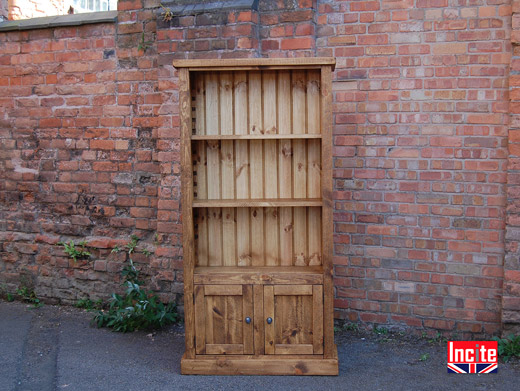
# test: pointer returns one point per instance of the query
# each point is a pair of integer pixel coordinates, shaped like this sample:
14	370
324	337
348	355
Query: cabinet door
220	319
293	319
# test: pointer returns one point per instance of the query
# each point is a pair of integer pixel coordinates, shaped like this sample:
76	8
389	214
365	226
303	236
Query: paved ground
55	348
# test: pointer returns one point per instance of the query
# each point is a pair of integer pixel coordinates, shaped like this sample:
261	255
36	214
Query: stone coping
190	7
59	21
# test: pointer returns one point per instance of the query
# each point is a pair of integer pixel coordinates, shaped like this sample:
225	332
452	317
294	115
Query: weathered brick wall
90	135
511	294
26	9
421	119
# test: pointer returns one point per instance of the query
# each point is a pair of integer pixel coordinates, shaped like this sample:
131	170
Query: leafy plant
29	296
380	330
424	357
10	297
143	45
137	308
75	252
508	347
89	305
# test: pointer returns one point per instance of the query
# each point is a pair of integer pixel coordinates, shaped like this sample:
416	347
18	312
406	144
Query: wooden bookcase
256	159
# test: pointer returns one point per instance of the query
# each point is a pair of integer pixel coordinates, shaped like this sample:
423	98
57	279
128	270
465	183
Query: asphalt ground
56	348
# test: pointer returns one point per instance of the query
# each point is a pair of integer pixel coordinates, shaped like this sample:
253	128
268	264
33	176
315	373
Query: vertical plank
326	183
314	166
240	102
200	163
270	167
285	154
271	237
286	236
300	236
243	237
269	102
257	236
199	157
284	126
313	102
212	128
226	103
299	112
242	169
212	103
256	168
314	235
299	117
247	311
214	237
227	164
317	319
188	244
269	313
233	319
202	237
200	320
299	168
229	257
258	319
255	103
200	113
213	170
215	329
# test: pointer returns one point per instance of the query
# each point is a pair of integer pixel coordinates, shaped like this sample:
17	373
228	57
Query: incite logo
472	357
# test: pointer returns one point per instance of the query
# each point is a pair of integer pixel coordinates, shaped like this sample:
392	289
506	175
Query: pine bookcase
256	156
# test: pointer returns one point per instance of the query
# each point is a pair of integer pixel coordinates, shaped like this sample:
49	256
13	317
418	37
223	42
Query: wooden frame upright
256	157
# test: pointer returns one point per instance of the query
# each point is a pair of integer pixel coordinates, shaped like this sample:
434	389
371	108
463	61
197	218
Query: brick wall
26	9
89	130
511	294
421	117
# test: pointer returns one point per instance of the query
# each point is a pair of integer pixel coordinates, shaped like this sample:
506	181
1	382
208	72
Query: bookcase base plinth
261	365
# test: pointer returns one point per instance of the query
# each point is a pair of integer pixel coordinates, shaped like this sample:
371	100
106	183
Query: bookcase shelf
257	220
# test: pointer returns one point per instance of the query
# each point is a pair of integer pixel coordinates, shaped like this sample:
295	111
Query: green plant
75	251
380	330
438	339
137	308
143	45
89	305
10	297
508	347
424	357
28	295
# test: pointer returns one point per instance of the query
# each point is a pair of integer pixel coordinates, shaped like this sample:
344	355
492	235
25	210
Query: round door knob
269	320
248	320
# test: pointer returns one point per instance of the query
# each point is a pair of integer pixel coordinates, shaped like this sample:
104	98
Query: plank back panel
258	236
256	169
260	102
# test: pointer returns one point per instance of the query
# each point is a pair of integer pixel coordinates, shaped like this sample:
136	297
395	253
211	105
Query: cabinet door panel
220	326
296	313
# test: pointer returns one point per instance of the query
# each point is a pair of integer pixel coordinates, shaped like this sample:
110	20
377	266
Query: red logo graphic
472	357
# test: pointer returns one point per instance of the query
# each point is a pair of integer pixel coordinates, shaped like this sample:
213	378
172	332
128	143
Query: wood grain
188	244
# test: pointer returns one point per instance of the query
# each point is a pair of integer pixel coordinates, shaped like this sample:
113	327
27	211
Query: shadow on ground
56	348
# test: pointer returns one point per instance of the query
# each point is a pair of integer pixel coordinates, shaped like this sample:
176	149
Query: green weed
380	330
89	305
28	295
136	309
508	347
75	251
